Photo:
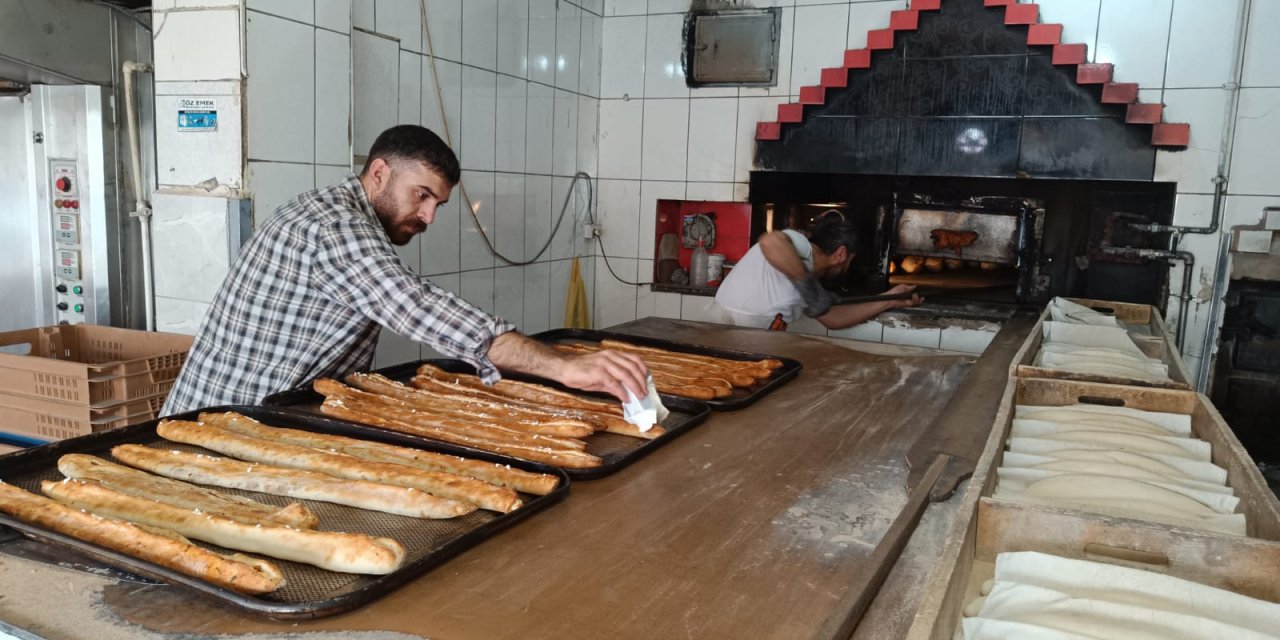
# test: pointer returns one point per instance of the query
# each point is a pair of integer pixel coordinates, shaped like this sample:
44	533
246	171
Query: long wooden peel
944	455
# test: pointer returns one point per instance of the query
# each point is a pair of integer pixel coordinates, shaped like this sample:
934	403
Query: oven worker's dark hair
411	142
832	232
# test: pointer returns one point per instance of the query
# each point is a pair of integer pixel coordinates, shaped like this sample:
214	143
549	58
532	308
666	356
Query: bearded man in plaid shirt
310	291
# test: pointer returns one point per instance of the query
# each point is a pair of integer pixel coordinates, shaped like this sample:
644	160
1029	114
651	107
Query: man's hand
907	302
817	299
606	371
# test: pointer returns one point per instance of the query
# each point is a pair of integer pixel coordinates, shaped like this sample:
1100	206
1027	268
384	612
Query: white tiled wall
676	141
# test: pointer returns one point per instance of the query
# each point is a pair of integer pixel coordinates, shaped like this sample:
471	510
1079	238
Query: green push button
78	290
79	308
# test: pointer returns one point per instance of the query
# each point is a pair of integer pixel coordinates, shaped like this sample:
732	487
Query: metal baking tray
309	592
739	399
616	450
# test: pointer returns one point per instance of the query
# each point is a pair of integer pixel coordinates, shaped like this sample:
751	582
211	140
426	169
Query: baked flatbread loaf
502	475
167	549
181	494
445	485
295	483
345	552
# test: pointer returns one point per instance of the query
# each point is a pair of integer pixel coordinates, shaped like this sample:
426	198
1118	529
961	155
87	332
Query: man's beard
385	206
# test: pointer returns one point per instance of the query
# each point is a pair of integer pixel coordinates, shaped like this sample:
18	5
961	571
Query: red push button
74	204
57	204
64	184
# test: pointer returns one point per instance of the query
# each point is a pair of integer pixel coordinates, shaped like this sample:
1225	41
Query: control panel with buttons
65	197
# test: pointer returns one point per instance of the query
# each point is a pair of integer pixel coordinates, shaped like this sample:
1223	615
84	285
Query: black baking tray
616	450
309	592
740	398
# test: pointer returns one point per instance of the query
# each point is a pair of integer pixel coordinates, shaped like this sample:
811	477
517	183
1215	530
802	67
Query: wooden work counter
750	526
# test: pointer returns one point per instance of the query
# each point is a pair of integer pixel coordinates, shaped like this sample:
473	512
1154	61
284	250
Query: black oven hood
954	89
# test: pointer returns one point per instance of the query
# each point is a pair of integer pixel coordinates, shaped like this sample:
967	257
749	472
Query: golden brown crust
445	485
170	550
493	473
182	494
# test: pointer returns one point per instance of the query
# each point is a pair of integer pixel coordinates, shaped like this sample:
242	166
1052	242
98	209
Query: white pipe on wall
141	208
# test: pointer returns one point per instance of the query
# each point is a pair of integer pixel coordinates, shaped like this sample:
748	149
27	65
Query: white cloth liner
1125	586
1230	524
1025	461
1102	353
1203	471
1017	479
1107	440
1029	428
1091	336
1063	310
1176	422
1095	366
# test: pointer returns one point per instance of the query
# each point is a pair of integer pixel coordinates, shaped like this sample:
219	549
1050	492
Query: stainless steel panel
996	241
23	282
735	47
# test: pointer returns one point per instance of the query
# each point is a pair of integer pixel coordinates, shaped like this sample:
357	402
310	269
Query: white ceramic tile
450	90
1257	143
870	331
281	68
912	337
750	112
615	301
480	33
699	309
1134	36
1193	168
807	326
402	19
411	254
568	46
657	304
646	297
184	158
445	18
669	6
741	191
333	98
816	28
1193	369
475	253
622	58
965	340
477	288
594	6
620	137
513	38
538	125
1239	210
557	289
712	128
334	14
625	7
375	75
1262	48
509	211
864	17
564	134
588	135
565	243
394	349
666	129
537	293
664	44
441	242
328	175
179	316
508	293
190	246
542	41
451	282
1193	209
410	88
651	191
710	191
275	183
197	45
538	216
479	119
619	215
510	133
1202	43
589	53
1079	20
362	14
293	10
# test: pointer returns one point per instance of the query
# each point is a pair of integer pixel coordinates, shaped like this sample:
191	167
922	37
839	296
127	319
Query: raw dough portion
1118	492
345	552
1018	480
1036	427
162	547
1094	366
1178	423
181	494
1176	447
1123	471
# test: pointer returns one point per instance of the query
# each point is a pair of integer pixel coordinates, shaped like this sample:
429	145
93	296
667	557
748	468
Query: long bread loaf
345	552
295	483
235	571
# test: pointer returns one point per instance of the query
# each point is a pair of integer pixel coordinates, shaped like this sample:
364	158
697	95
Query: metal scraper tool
944	456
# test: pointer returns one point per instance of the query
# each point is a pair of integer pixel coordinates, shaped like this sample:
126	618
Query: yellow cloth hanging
576	315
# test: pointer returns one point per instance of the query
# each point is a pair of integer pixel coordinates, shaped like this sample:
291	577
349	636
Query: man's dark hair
832	232
411	142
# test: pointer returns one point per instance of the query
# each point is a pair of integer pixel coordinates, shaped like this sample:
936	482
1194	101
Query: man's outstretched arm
604	370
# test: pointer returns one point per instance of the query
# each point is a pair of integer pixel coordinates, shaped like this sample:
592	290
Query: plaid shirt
305	299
